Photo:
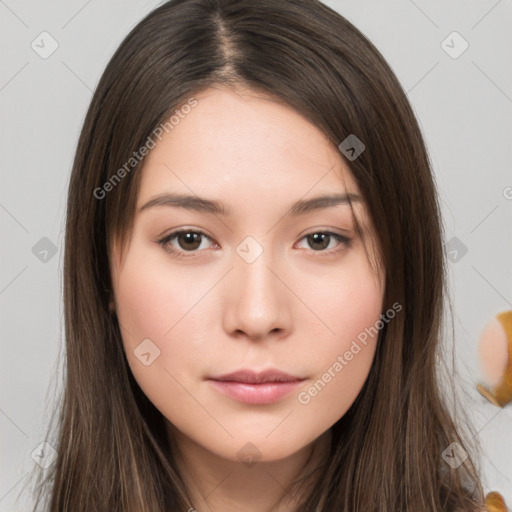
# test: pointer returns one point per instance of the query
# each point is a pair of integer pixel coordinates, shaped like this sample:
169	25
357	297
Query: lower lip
263	393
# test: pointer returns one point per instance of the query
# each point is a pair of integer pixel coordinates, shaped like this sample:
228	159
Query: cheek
154	300
346	302
145	306
342	357
160	304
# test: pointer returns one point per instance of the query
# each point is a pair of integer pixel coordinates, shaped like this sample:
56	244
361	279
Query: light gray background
464	106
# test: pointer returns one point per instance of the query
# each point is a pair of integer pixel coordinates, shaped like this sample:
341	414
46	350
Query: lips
252	377
252	387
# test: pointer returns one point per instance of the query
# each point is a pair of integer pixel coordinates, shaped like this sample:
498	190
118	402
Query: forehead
242	145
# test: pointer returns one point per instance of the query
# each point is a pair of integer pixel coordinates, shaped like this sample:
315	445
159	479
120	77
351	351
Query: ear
112	304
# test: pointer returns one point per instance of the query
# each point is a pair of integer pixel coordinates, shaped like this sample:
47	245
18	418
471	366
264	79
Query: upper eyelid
199	231
174	234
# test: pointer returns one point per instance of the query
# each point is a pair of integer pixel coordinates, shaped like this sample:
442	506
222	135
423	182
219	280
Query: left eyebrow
202	204
319	203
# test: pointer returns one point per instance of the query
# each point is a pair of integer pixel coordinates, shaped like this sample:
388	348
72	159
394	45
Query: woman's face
265	277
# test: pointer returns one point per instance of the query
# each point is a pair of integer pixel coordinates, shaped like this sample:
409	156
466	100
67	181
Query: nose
257	303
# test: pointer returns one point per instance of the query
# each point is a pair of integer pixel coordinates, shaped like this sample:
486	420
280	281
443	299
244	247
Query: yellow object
494	502
501	395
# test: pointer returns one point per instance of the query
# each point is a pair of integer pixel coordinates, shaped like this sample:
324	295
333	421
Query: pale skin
296	307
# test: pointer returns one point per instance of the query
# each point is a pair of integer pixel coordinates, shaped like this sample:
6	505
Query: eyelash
180	254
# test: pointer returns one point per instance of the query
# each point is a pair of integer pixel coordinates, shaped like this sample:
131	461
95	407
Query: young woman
254	277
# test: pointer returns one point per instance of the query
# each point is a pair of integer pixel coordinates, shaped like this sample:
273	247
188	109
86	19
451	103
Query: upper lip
253	377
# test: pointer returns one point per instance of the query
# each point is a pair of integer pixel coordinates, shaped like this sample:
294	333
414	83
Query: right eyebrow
188	202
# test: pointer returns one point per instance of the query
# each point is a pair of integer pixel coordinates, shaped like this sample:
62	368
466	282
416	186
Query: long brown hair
113	453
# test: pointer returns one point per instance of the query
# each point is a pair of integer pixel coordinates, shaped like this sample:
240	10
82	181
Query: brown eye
318	241
189	240
185	241
322	242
